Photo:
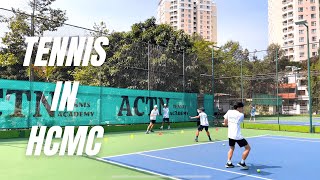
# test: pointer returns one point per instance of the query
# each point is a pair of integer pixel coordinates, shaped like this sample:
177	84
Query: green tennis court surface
18	166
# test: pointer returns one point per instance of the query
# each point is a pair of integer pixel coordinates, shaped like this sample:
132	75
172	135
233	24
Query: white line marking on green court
138	169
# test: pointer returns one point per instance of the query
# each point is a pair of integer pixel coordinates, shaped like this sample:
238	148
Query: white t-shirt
154	114
234	118
165	112
203	119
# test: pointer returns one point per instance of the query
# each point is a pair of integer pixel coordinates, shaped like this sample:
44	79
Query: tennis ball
105	139
131	136
258	170
223	144
182	131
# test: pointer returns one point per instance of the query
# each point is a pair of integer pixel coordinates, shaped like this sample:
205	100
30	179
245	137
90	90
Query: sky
245	21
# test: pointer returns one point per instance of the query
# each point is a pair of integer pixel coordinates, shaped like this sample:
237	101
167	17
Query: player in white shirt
233	119
204	124
153	116
165	113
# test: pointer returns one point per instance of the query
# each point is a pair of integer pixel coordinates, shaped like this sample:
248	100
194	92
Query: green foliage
12	55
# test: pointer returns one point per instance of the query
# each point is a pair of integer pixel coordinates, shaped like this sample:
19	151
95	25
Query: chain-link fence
136	75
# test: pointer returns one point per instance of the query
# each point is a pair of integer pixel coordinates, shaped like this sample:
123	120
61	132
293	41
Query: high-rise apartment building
293	38
192	16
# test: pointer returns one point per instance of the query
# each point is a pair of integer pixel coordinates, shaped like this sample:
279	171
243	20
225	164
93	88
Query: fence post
277	81
148	66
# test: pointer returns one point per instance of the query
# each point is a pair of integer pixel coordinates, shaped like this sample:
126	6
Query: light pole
305	23
212	75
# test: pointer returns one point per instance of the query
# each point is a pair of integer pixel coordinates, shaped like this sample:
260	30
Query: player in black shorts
204	124
233	119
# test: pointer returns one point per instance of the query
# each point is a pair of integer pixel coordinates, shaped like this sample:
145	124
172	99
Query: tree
44	19
127	58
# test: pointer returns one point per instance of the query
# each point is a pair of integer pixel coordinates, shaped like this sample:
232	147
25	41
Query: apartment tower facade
192	16
282	15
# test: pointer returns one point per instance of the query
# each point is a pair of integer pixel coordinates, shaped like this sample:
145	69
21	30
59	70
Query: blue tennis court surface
277	157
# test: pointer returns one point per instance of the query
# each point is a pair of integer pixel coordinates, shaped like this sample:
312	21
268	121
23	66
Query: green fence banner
24	104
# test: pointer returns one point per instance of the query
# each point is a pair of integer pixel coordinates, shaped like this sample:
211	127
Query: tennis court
276	157
172	154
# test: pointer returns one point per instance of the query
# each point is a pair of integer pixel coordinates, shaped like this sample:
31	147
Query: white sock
242	161
229	162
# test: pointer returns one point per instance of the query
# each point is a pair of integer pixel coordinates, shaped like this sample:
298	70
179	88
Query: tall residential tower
293	38
192	16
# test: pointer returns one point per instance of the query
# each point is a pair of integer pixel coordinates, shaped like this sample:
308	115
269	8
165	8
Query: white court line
179	147
138	169
291	139
197	165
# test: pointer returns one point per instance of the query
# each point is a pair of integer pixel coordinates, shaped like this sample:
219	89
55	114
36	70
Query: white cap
155	106
165	104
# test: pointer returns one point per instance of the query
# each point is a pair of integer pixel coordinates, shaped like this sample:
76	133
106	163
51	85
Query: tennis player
153	116
165	112
233	119
204	124
253	113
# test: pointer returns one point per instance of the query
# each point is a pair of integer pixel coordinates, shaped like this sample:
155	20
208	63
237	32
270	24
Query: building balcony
288	95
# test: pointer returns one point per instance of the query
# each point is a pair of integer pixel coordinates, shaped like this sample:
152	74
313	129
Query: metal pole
309	81
212	78
277	81
183	73
31	78
148	66
241	83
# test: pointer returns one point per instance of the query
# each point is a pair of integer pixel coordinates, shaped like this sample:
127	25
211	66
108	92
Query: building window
314	53
300	9
313	16
182	10
182	20
314	38
301	92
182	15
300	2
313	23
300	17
189	21
302	54
313	8
301	39
312	1
301	31
314	46
301	47
313	31
208	37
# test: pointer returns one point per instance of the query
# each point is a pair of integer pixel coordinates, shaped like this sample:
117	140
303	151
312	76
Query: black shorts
153	121
165	119
241	142
200	128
